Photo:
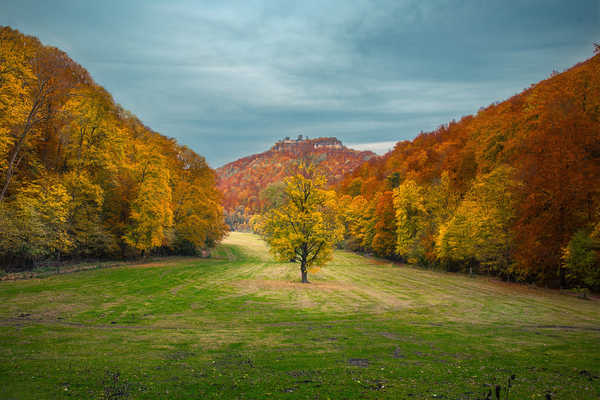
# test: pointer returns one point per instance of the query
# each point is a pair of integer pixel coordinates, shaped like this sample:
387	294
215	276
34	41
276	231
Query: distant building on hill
304	144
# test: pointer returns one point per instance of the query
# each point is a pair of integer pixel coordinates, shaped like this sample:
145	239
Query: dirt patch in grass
359	362
176	289
389	335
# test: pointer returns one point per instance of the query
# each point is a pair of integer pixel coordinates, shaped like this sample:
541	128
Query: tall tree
46	77
480	228
411	213
151	213
560	171
307	226
384	240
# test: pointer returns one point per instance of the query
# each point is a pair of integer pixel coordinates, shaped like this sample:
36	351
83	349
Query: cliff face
300	146
242	181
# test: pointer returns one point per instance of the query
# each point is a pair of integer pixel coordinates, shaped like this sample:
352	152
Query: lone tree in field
307	226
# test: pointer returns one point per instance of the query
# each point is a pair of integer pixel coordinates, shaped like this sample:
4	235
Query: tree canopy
305	228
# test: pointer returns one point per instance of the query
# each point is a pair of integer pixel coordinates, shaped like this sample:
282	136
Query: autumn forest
511	191
84	178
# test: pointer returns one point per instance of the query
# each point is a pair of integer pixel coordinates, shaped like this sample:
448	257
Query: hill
81	177
513	190
243	180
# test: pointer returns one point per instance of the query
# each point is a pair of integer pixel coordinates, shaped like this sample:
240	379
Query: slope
242	326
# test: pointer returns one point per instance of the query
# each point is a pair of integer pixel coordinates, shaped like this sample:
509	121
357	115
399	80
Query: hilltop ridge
303	144
241	181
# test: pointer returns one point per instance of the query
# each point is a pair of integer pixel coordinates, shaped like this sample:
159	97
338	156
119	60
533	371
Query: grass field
241	326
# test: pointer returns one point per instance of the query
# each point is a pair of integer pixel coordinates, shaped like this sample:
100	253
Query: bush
581	260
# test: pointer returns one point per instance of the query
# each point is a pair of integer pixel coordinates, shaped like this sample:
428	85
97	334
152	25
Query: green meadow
240	325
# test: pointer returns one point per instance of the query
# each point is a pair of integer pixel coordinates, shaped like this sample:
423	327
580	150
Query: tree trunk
304	272
17	148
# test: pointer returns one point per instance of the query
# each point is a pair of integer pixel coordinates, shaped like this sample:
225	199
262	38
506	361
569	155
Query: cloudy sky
230	78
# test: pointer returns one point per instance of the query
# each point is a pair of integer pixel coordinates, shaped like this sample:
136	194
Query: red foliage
384	241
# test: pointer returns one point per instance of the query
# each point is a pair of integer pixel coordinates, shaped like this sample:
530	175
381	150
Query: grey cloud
229	78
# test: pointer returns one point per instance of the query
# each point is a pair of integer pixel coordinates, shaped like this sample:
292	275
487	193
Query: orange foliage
243	180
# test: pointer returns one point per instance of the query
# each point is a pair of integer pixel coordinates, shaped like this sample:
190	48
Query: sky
229	78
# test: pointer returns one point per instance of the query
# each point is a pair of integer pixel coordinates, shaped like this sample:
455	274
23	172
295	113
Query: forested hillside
513	191
81	177
248	182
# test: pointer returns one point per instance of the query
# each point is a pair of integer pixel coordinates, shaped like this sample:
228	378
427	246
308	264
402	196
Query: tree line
80	177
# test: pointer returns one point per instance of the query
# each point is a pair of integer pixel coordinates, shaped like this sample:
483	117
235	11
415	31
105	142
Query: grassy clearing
241	326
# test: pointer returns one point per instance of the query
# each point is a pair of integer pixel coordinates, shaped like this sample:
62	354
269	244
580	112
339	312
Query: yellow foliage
151	213
308	225
409	203
81	176
480	228
35	222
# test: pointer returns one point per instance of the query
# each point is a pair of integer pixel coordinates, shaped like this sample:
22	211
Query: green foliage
581	260
273	196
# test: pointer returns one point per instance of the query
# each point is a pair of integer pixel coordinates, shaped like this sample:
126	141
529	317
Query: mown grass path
241	326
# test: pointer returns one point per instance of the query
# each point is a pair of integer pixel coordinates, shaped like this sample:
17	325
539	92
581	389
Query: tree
35	222
272	196
307	226
45	78
560	171
89	236
410	206
197	212
82	177
384	240
151	211
355	216
480	228
581	259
